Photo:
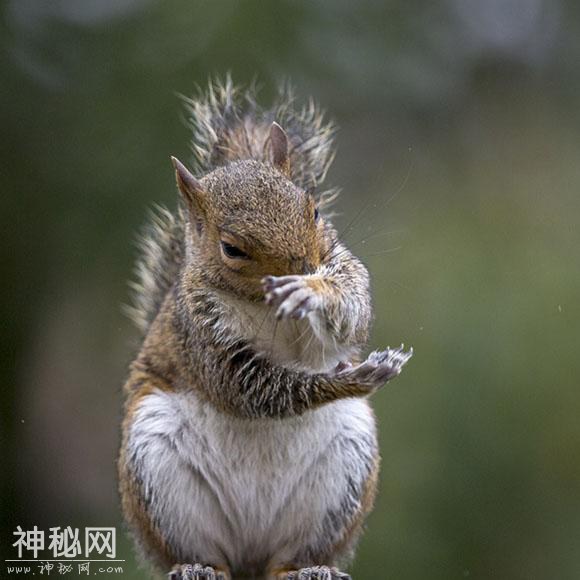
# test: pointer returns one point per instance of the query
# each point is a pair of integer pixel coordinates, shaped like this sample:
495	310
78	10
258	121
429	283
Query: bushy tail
161	252
229	125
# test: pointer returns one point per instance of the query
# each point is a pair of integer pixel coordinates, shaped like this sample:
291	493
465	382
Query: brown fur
259	202
229	126
283	238
136	514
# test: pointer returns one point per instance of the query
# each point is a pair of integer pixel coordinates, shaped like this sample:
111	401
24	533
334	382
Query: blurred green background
459	156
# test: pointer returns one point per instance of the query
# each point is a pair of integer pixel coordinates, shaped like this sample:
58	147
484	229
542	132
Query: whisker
269	312
383	204
376	235
372	200
301	335
400	285
403	184
309	342
273	337
388	251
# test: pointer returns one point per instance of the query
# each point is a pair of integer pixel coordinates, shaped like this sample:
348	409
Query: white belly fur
238	492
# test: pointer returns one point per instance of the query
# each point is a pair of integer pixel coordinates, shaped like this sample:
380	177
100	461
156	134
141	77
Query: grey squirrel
249	448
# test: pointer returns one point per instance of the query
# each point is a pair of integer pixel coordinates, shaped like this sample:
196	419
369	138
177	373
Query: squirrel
249	448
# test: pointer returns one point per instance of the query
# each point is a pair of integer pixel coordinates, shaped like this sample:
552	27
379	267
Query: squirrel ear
189	186
191	189
279	143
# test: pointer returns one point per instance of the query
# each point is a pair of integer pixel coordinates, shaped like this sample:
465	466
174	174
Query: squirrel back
228	125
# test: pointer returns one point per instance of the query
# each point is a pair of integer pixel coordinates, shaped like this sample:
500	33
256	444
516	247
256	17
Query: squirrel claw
290	295
195	572
377	369
317	573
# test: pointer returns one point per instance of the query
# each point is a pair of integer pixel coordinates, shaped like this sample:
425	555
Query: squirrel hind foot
313	573
196	572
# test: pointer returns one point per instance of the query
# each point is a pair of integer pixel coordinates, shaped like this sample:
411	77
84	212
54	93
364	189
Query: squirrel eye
233	252
316	215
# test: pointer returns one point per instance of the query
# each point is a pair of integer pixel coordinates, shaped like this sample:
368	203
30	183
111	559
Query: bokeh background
459	159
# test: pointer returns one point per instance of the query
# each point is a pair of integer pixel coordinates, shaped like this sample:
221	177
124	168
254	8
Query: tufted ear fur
279	144
192	192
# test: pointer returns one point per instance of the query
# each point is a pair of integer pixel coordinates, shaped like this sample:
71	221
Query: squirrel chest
243	491
300	343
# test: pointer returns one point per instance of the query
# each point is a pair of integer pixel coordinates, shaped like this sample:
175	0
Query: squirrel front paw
376	370
314	573
292	296
196	572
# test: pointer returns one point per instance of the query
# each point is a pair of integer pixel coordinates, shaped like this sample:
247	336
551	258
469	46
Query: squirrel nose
302	266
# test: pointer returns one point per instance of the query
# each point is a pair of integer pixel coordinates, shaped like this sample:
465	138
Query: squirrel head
248	220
